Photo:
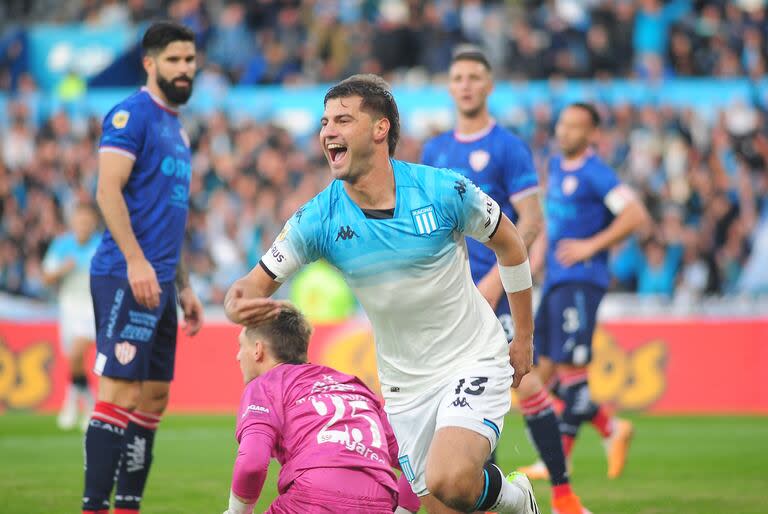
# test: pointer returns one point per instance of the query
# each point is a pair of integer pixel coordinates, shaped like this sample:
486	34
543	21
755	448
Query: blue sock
544	432
137	458
579	406
103	445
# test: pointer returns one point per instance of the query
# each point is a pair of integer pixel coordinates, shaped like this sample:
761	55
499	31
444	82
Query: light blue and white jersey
410	272
74	290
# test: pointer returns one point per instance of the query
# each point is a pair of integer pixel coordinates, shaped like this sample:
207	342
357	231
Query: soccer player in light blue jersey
137	273
588	210
396	231
501	164
66	265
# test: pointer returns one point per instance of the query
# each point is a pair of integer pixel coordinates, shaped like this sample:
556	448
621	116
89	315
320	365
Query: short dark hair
591	110
162	33
471	54
287	335
377	98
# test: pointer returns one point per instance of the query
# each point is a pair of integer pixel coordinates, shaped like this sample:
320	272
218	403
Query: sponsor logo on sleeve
120	119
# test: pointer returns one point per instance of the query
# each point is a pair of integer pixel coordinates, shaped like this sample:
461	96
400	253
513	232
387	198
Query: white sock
511	499
402	510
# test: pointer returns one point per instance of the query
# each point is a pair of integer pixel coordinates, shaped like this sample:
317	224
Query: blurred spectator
704	180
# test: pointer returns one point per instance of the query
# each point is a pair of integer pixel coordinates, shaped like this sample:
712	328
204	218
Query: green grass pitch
678	465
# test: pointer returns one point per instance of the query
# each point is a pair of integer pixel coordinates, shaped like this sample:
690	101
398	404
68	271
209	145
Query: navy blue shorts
565	323
133	342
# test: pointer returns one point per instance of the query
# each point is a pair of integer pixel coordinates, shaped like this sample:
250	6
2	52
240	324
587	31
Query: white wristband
516	278
238	507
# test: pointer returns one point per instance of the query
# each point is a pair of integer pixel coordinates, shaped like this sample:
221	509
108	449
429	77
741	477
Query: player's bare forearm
630	219
510	251
530	222
248	301
114	171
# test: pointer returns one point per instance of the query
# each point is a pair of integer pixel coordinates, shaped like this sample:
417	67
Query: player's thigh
456	458
530	386
125	330
153	396
574	316
162	359
414	428
120	392
477	399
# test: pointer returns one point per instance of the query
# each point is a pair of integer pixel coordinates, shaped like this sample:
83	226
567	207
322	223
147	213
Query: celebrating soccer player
144	174
396	232
501	164
588	211
327	429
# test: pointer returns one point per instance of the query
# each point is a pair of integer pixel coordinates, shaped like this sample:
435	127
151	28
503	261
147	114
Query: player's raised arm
247	302
114	170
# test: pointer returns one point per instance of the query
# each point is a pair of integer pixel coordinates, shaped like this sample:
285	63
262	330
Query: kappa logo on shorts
125	352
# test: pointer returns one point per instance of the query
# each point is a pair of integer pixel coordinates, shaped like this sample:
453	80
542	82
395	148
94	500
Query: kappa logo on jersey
461	402
346	233
424	220
120	119
299	214
461	187
125	352
479	159
569	185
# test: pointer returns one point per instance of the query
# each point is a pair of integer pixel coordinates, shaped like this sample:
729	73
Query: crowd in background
705	185
292	41
705	181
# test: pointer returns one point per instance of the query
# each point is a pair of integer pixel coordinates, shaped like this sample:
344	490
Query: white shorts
477	399
80	326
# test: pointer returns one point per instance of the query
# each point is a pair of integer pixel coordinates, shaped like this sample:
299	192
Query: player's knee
456	485
120	392
154	400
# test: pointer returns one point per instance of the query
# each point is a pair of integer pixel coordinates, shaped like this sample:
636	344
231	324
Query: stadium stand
699	160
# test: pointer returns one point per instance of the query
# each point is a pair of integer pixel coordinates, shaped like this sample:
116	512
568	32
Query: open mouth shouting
336	152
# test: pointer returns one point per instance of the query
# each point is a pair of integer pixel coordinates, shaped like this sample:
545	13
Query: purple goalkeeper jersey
316	417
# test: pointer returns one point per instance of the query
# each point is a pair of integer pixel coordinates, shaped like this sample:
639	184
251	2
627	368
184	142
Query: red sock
558	405
602	422
561	490
126	511
568	441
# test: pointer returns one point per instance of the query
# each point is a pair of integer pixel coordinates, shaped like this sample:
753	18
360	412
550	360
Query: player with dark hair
501	164
137	273
327	429
588	211
396	232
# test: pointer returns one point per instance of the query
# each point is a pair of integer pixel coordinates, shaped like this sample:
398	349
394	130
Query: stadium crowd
279	42
705	185
704	180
